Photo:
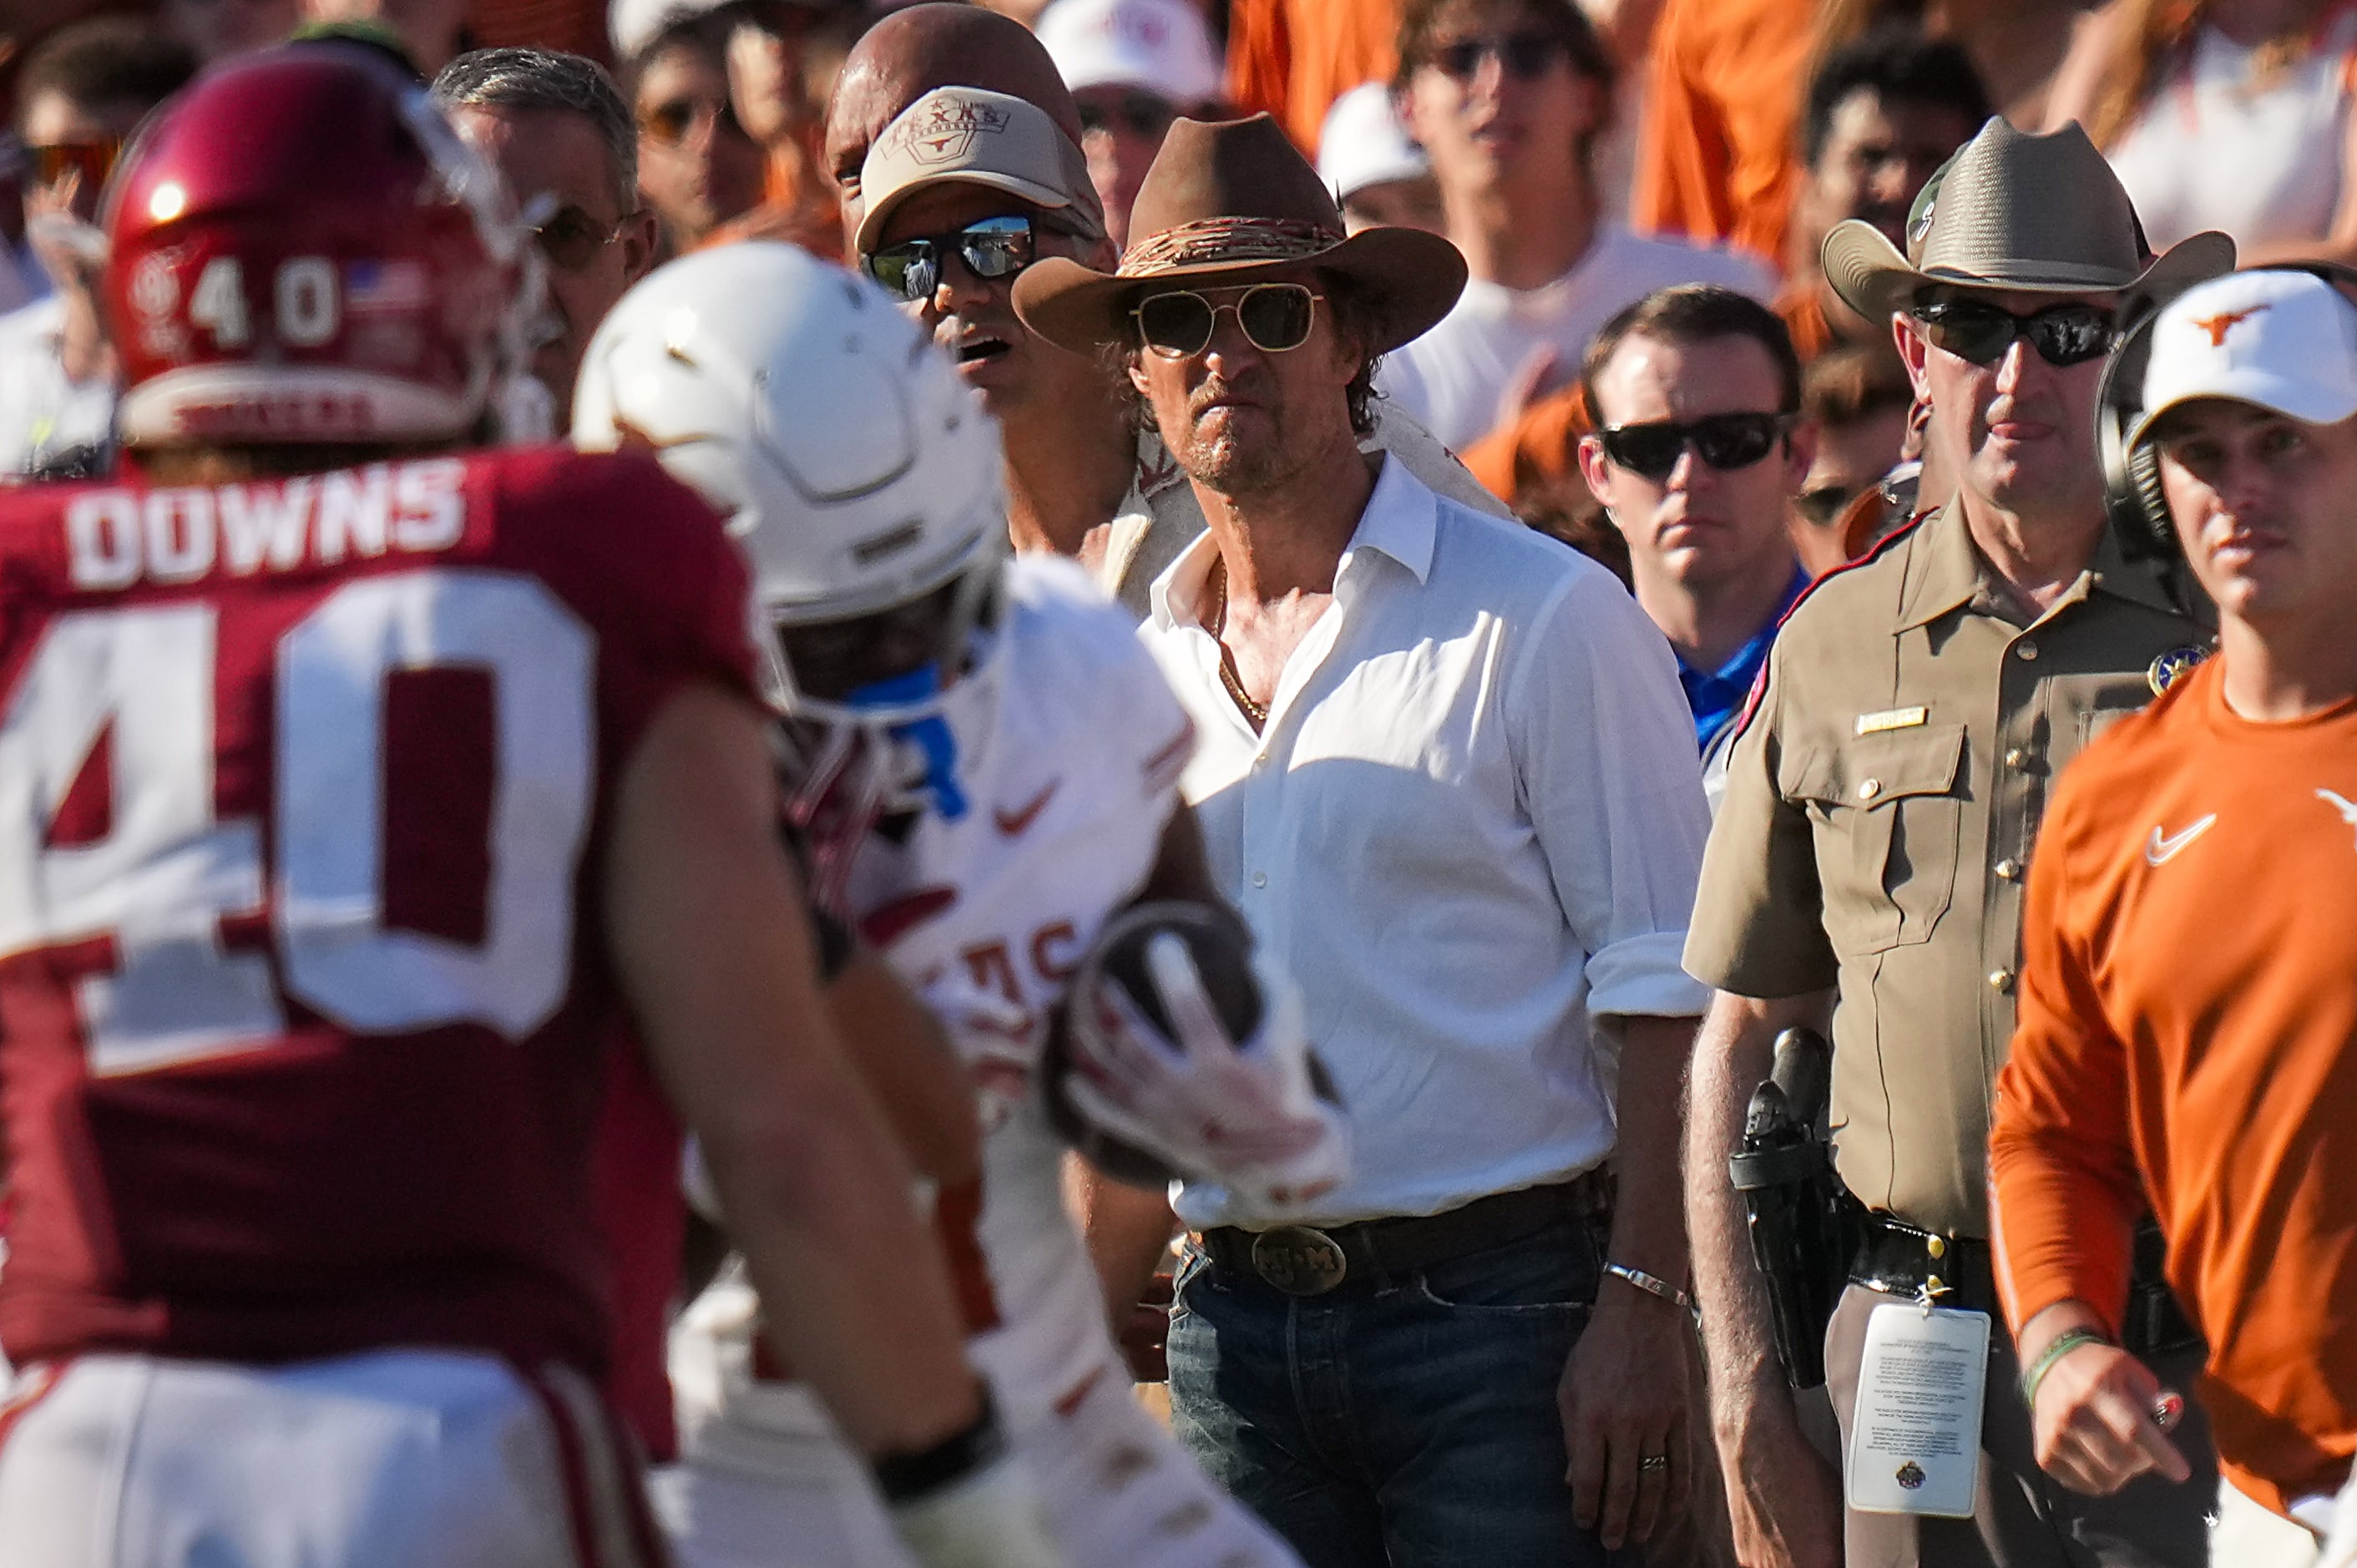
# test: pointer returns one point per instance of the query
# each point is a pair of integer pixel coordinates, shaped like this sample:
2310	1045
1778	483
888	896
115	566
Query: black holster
1802	1221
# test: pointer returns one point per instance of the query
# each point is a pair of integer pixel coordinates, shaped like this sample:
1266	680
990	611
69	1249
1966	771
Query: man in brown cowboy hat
1868	861
1445	772
1081	477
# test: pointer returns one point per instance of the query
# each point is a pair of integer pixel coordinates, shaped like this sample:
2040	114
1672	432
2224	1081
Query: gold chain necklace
1255	712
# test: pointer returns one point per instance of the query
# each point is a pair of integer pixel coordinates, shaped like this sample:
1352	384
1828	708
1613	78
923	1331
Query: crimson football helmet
301	250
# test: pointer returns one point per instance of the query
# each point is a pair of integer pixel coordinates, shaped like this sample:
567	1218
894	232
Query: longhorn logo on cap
2218	326
945	131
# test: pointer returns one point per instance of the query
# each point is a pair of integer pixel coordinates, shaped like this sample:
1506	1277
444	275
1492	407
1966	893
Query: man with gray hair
559	135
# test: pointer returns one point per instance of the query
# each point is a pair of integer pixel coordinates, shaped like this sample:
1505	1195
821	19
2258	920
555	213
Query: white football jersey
1068	758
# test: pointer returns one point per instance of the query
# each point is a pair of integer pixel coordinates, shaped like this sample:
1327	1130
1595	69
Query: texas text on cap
1160	46
972	137
2285	340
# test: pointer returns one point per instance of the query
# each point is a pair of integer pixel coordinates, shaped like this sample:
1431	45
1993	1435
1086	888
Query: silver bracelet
1652	1285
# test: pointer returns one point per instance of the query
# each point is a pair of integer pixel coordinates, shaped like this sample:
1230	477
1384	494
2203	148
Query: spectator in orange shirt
1294	57
1715	150
2188	1025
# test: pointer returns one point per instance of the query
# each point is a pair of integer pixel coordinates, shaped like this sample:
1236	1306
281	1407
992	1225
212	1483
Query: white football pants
397	1459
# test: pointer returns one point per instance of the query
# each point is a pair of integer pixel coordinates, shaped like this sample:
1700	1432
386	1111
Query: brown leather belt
1302	1260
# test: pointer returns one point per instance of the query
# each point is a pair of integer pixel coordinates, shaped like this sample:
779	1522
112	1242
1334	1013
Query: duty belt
1303	1259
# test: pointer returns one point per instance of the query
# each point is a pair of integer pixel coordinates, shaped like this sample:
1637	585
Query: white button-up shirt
1473	823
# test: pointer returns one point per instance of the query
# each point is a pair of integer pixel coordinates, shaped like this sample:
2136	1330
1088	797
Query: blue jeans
1406	1421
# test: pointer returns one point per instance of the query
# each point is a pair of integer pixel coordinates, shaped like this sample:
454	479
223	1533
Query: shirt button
2015	757
1868	788
1260	878
2009	869
2000	980
2026	649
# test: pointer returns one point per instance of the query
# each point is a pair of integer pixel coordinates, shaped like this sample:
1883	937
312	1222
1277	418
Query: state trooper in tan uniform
1881	810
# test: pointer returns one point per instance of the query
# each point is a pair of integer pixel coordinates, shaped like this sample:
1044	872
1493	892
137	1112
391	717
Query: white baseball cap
2285	340
1364	143
635	23
1161	46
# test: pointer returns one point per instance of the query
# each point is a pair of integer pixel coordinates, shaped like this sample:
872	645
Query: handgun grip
1804	1070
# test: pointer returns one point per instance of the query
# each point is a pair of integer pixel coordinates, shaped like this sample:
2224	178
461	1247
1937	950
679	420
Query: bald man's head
916	50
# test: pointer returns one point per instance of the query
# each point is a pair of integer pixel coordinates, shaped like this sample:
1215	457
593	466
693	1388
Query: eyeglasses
672	121
991	248
1139	113
1525	57
1822	505
92	160
572	239
1725	441
2067	334
1275	317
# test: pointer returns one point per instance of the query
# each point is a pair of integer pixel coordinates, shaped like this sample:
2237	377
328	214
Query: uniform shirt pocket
1887	817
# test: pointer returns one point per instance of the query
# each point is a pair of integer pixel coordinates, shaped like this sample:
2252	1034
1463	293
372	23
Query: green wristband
2061	1345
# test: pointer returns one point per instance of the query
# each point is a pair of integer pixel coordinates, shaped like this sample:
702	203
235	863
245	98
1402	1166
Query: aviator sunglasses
2067	334
1725	441
991	248
1275	317
572	239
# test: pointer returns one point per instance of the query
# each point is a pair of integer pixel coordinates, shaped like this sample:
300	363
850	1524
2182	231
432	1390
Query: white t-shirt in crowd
2224	144
42	414
1452	378
22	281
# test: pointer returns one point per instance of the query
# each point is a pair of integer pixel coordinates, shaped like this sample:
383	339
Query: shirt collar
1949	570
1402	522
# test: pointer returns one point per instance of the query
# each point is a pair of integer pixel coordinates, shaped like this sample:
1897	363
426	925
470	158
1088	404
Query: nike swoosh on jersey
1012	823
2160	851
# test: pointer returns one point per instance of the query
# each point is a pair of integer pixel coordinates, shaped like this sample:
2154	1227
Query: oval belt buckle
1299	1261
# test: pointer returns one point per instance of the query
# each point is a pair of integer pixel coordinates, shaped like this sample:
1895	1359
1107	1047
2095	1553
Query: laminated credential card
1915	1437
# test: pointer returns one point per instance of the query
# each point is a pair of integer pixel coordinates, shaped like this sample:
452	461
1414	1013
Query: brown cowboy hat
2037	214
1230	202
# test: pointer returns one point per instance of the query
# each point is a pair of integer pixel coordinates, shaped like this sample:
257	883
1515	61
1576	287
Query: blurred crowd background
1689	141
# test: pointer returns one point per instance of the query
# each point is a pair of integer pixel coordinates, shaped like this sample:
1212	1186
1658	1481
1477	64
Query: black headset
2132	502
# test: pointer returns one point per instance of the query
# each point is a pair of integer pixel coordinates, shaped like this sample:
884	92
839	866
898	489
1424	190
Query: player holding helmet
987	767
343	812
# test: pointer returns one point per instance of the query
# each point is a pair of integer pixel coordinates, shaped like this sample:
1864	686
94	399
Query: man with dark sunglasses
557	130
1444	770
1508	97
1698	449
81	94
698	166
1133	66
1881	813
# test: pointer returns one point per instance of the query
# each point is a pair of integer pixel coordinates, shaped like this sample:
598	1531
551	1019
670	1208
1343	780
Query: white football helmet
857	472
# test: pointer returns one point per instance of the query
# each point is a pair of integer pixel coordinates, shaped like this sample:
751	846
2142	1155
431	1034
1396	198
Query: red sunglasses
92	160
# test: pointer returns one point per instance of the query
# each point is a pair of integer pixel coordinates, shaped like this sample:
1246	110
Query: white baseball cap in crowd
1364	143
1161	46
2284	340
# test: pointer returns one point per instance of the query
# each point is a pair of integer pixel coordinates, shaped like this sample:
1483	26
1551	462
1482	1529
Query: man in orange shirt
1716	155
2188	1030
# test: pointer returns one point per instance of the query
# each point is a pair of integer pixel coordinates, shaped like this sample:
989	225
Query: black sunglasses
1525	57
1725	441
1139	113
2067	334
572	239
990	247
1276	316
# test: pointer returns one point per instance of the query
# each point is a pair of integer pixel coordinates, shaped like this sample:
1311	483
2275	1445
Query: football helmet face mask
301	250
861	479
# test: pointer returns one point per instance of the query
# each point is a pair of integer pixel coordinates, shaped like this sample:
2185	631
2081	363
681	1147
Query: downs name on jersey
302	995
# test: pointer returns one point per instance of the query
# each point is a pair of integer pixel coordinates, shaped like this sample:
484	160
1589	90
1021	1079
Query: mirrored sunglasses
992	248
1525	57
2069	334
92	160
1725	441
1275	317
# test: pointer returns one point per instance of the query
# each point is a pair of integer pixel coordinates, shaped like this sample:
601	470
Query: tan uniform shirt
1878	825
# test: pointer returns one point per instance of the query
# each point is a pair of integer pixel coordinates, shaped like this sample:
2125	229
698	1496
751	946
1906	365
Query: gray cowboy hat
2010	211
1230	202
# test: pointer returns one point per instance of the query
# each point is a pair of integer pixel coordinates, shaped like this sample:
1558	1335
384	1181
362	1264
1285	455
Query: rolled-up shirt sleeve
1604	753
2064	1194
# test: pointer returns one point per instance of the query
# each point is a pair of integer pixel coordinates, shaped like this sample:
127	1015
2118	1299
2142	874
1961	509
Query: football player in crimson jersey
352	793
986	763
